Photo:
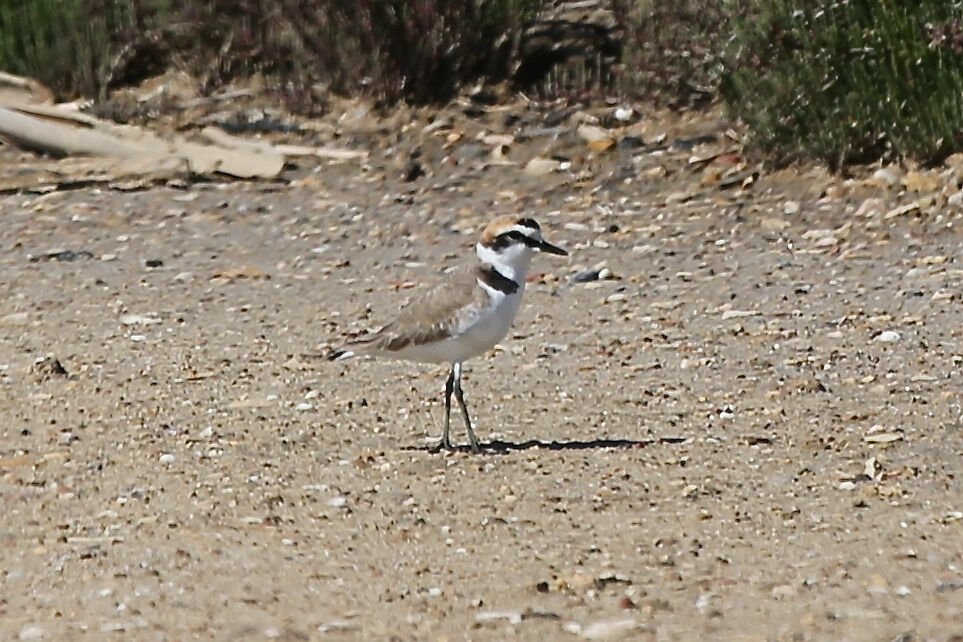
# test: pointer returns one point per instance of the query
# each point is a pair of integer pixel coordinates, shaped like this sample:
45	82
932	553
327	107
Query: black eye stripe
507	238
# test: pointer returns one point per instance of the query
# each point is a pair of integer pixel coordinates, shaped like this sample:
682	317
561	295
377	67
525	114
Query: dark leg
449	387
460	396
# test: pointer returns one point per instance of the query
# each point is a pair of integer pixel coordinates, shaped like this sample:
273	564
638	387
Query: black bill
545	246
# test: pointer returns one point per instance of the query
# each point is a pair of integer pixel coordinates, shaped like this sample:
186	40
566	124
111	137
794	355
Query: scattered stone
49	366
597	138
513	617
911	208
32	632
738	314
154	263
65	256
886	177
337	625
609	630
870	207
167	458
883	438
138	319
183	277
677	197
541	166
587	275
887	336
773	224
623	114
791	207
15	318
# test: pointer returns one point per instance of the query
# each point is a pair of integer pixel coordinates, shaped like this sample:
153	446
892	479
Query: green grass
65	44
414	50
850	80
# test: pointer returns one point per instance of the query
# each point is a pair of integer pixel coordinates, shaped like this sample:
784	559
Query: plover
466	314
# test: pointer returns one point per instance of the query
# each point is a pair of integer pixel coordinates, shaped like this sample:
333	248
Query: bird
465	314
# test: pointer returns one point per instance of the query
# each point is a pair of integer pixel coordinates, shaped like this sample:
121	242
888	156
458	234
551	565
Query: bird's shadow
498	447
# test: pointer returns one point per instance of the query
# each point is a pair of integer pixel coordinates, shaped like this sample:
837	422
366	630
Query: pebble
138	319
303	406
883	438
587	275
167	458
513	617
887	176
337	502
32	632
738	314
623	114
541	166
900	211
593	134
887	336
16	318
677	197
871	207
791	207
609	629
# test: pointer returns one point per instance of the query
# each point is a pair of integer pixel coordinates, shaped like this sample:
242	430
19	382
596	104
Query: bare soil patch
751	430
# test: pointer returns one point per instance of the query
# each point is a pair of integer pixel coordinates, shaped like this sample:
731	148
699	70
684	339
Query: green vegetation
673	50
417	50
849	80
63	43
842	81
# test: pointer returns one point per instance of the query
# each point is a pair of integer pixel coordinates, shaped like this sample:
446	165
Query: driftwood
222	138
105	152
18	89
66	133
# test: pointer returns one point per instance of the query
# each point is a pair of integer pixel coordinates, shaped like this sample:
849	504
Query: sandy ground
752	432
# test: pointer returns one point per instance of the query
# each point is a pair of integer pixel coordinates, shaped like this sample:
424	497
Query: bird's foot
444	444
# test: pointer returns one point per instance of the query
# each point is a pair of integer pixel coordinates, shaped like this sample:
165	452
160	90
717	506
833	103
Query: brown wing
430	316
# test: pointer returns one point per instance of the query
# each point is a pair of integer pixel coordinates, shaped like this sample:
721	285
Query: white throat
513	266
